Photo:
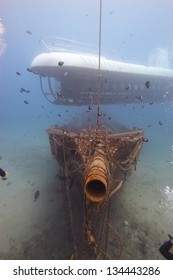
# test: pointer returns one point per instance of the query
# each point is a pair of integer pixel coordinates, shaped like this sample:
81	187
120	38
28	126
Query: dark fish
60	63
59	93
147	84
26	102
145	139
27	90
36	195
29	70
90	107
22	90
128	87
2	172
18	73
29	32
160	123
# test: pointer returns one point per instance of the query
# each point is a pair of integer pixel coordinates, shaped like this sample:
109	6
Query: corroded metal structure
94	163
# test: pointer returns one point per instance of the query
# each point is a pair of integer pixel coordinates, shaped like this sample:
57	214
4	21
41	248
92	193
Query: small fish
26	102
28	69
36	195
2	173
145	139
128	87
147	84
18	73
90	107
27	90
59	93
22	90
160	123
60	63
29	32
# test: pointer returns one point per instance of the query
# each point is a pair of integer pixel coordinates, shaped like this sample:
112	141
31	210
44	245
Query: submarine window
96	188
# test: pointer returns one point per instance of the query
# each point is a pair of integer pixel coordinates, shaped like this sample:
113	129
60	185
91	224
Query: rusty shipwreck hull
98	161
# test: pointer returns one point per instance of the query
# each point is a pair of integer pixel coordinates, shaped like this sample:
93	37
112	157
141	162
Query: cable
99	74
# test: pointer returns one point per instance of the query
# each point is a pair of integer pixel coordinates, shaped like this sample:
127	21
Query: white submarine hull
72	79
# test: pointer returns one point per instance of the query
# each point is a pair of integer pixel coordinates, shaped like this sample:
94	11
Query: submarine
70	77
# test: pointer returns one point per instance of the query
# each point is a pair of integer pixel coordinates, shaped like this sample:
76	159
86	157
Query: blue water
142	213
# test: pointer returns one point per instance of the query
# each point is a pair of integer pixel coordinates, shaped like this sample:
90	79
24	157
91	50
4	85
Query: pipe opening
95	190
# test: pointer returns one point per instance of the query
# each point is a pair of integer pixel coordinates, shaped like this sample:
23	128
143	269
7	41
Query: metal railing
54	44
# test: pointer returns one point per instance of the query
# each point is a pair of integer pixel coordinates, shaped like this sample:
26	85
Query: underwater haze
32	224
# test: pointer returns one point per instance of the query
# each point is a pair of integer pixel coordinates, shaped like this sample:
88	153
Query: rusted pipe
96	178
